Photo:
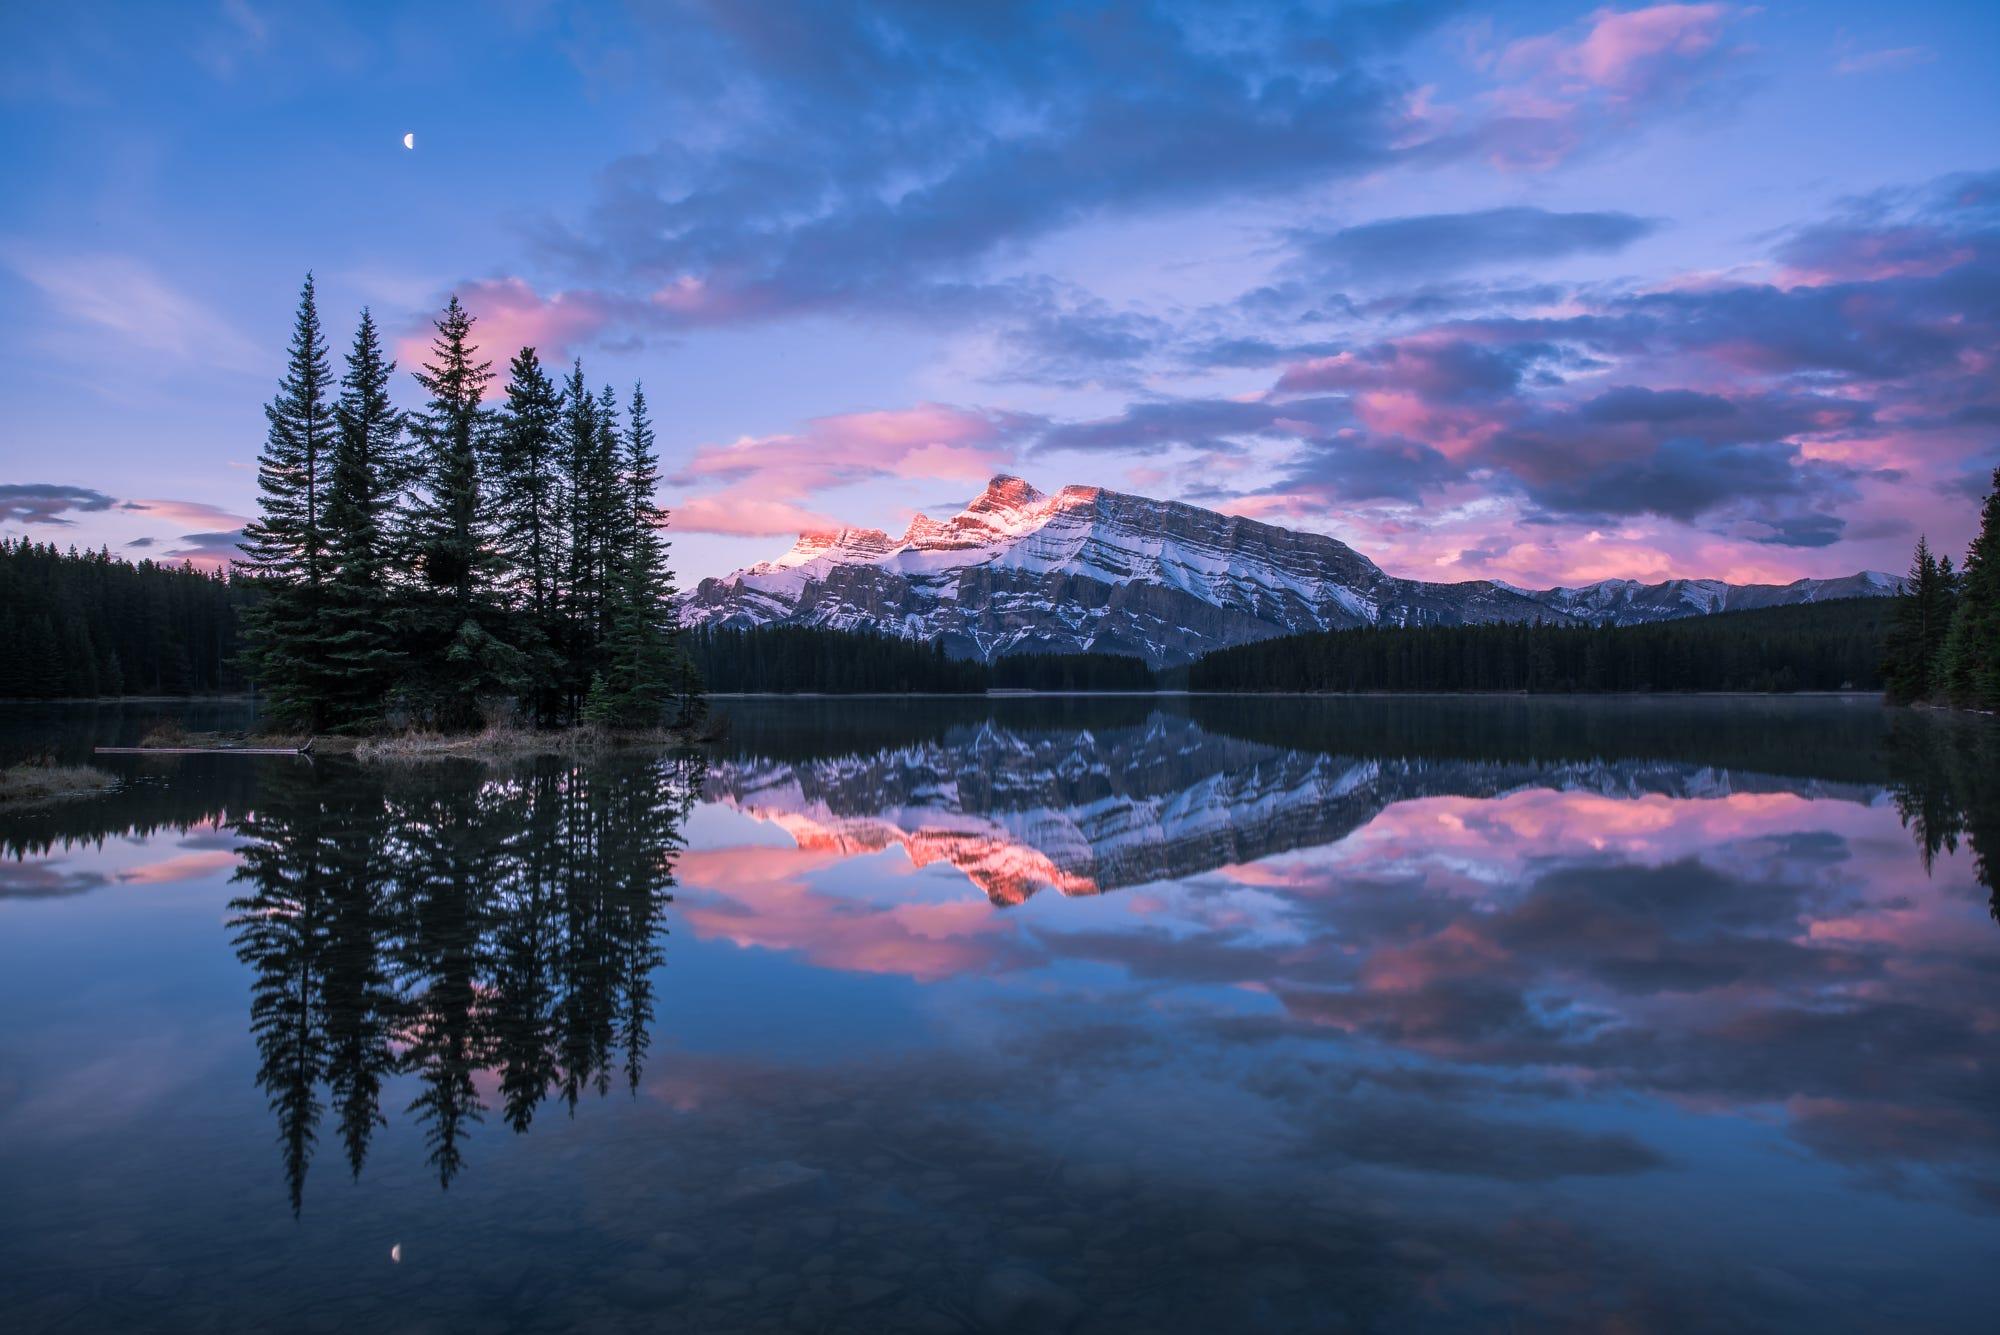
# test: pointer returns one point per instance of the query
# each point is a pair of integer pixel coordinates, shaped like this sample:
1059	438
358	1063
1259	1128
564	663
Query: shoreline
1305	695
1024	694
131	700
505	743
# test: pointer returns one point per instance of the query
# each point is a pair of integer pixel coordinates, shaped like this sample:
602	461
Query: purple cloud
1438	243
48	502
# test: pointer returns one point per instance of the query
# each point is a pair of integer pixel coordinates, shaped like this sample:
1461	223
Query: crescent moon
409	141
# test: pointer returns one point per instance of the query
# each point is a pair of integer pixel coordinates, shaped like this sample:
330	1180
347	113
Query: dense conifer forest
1810	647
90	624
806	658
1070	672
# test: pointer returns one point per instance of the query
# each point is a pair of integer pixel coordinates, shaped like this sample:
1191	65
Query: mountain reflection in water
1020	1015
1086	811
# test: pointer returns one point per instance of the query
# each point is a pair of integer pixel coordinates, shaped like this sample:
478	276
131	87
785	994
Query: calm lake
1019	1015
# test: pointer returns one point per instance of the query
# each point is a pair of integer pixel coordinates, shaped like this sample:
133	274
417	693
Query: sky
1539	292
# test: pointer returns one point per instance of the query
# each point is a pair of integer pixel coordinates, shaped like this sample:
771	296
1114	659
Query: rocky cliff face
1089	569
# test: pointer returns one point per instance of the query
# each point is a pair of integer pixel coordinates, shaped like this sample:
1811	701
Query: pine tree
1970	663
644	670
463	660
527	487
587	514
1911	662
613	520
285	549
370	468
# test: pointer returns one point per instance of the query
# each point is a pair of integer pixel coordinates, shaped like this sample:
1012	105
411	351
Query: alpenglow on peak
1088	569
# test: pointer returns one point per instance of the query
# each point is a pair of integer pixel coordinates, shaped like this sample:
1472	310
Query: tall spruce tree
457	623
371	466
609	499
642	669
1912	663
1970	663
528	502
588	535
286	547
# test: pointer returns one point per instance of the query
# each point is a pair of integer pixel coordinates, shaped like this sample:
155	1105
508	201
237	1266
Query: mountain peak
1004	492
815	543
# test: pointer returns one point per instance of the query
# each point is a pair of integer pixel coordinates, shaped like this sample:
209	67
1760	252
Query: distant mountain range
1093	570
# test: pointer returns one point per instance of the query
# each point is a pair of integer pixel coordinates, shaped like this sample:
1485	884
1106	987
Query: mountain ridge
1087	568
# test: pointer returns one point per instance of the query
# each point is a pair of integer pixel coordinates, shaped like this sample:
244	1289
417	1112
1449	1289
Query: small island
463	578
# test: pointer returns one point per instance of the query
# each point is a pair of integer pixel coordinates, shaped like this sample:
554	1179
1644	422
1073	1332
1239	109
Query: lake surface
1021	1015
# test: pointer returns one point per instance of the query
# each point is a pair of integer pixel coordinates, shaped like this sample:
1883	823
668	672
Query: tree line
89	624
1810	647
1944	647
435	568
790	659
1070	672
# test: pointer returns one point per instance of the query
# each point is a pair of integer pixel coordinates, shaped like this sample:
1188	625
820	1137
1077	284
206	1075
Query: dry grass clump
45	781
506	741
422	744
168	732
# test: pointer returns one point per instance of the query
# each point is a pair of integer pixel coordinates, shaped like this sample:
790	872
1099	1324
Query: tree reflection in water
1945	775
445	920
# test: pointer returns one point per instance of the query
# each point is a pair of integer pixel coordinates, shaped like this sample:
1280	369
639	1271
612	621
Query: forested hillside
88	624
1812	647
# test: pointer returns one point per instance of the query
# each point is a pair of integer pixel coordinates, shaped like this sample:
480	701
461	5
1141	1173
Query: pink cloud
1627	54
732	512
1870	254
1271	506
765	480
512	315
213	547
189	514
1470	532
509	314
690	299
931	440
1560	89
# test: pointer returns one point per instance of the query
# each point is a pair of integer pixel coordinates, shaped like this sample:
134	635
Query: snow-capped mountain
1090	569
1626	602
